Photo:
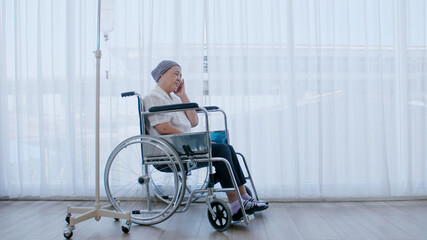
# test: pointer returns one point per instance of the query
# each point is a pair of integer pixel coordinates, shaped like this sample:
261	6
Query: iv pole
96	212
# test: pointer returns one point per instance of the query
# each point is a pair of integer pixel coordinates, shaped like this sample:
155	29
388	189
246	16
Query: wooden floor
316	220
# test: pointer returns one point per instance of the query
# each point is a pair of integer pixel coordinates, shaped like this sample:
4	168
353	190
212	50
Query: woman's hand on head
191	114
180	91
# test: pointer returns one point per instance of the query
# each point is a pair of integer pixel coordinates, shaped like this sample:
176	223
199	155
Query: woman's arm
166	128
191	114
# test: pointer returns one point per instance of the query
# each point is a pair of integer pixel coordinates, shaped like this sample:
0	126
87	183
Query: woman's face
171	79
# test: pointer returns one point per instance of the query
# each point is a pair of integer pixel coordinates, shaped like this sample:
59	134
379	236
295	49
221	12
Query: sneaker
249	209
260	205
238	216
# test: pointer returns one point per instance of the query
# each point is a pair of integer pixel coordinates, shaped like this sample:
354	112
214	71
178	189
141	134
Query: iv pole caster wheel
67	218
68	233
222	219
126	228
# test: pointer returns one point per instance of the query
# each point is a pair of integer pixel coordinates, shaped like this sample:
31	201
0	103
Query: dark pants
226	151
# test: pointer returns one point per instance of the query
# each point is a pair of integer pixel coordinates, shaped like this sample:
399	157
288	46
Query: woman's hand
191	114
180	91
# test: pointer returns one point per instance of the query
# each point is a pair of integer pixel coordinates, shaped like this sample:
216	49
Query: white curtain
326	98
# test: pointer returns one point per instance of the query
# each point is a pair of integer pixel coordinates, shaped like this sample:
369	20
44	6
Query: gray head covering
163	67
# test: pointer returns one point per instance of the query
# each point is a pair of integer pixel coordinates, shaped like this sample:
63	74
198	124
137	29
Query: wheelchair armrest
181	106
210	108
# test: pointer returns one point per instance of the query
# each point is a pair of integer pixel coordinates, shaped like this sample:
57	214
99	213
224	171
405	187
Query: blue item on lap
218	137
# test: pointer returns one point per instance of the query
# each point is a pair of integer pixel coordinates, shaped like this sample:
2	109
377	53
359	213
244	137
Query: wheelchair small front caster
126	228
221	217
68	233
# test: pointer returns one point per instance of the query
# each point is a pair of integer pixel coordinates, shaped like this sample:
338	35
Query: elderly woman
170	89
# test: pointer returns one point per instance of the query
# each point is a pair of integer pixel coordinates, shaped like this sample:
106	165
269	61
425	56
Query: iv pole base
96	213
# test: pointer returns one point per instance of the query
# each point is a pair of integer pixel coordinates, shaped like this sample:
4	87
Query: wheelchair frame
219	213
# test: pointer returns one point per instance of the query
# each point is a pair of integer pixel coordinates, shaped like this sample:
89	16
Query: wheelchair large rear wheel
195	180
129	179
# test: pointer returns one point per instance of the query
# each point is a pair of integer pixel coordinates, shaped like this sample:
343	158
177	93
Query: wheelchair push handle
128	94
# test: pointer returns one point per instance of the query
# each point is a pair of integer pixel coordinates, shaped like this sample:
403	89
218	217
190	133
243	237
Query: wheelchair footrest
250	217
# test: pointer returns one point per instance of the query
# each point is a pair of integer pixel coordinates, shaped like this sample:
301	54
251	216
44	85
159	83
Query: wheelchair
154	177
